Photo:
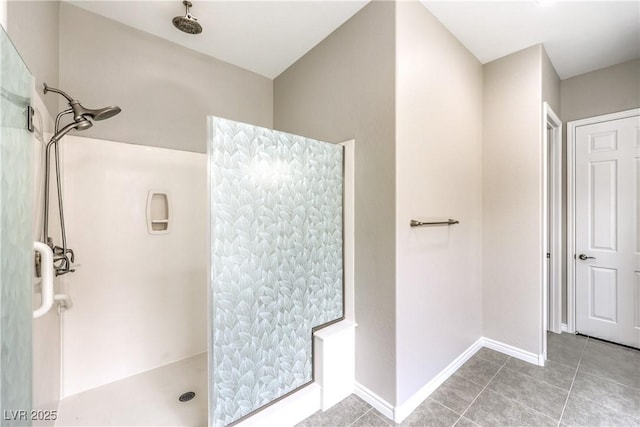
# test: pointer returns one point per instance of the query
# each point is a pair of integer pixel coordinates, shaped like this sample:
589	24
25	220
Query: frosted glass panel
16	253
276	226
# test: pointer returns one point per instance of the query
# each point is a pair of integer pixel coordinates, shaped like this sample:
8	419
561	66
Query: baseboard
402	411
512	351
564	327
384	407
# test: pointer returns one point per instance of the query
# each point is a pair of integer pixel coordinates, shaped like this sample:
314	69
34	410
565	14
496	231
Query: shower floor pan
147	399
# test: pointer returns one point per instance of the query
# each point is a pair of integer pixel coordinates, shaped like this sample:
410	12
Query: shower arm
58	91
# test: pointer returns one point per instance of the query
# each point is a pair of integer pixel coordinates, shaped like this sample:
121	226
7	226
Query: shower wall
139	298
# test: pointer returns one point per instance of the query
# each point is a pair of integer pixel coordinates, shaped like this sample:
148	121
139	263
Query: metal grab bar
416	223
46	271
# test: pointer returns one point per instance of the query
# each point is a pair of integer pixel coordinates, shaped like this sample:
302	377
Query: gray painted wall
342	89
609	90
438	174
165	91
33	28
512	174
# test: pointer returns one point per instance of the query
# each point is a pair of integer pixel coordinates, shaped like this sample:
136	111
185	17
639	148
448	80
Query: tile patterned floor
584	383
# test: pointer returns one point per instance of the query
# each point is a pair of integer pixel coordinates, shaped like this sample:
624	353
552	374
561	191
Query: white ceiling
579	36
268	36
265	37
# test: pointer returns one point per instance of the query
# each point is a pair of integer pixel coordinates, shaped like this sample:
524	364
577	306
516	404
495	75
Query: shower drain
185	397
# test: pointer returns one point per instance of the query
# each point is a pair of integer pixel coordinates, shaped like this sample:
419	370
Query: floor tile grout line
575	375
473	382
608	407
449	408
561	364
484	360
602	378
509	398
492	361
485	387
356	420
467	407
467	379
610	380
564	364
445	406
462	378
522	404
537	379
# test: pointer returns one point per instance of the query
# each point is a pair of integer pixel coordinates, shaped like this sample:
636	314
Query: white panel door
607	180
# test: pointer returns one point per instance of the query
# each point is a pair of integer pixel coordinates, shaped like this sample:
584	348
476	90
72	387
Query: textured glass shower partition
16	246
276	261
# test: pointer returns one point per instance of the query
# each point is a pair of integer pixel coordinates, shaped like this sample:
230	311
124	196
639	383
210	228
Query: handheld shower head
75	125
83	125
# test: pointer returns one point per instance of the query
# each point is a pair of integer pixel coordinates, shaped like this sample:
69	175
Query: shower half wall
277	271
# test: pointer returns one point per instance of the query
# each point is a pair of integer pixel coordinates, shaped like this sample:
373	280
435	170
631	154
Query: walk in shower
275	252
138	341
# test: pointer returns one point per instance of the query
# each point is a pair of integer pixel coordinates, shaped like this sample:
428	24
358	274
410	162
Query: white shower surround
139	299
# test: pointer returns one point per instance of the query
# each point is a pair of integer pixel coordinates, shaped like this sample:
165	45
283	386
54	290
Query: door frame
552	224
571	213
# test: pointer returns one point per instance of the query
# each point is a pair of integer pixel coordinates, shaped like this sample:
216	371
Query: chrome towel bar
416	223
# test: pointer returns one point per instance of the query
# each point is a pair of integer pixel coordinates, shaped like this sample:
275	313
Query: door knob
583	257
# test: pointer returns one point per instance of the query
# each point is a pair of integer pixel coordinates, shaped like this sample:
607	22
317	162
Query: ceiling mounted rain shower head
187	23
